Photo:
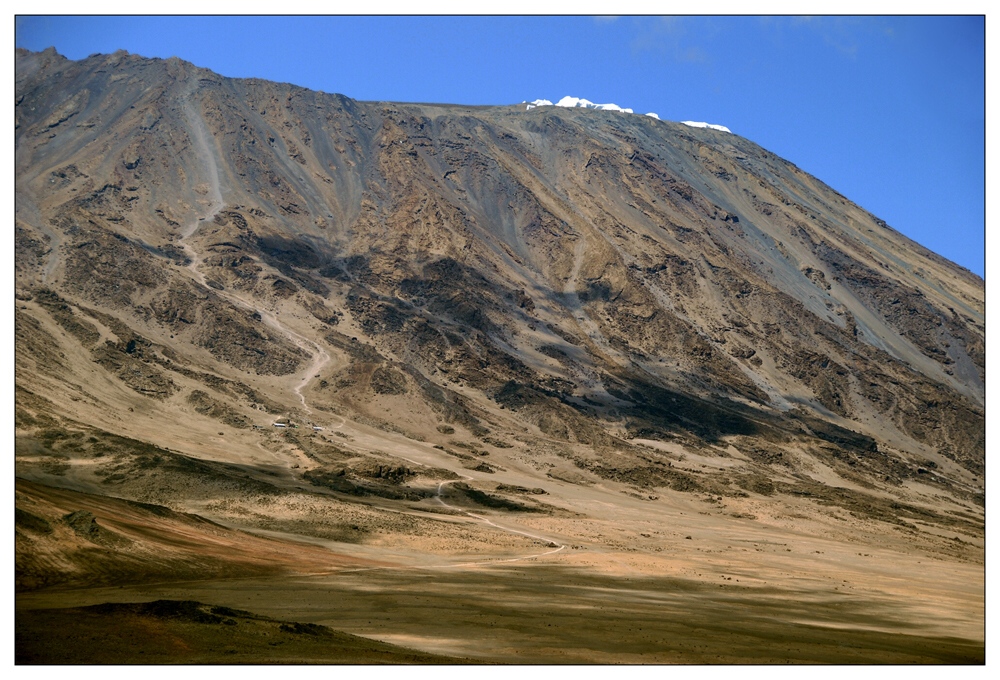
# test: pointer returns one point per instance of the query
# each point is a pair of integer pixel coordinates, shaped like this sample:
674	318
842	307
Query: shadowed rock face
599	275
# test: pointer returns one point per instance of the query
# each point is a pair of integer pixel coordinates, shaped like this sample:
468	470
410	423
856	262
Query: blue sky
889	111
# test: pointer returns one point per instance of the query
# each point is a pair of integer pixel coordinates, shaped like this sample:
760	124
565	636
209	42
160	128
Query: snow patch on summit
691	123
577	102
580	103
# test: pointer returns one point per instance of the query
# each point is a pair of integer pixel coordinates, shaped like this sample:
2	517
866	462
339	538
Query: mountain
373	324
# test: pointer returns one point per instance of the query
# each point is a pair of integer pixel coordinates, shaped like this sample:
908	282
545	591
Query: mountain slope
612	241
572	294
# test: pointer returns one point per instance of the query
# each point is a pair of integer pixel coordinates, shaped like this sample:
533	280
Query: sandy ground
571	583
805	582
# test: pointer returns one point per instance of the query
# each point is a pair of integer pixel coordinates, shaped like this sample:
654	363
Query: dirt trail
389	445
485	520
200	135
395	566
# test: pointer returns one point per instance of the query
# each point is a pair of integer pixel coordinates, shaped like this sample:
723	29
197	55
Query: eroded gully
320	357
200	135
